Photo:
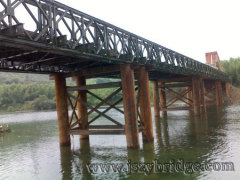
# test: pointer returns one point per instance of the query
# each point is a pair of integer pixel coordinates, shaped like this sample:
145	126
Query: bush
232	68
27	97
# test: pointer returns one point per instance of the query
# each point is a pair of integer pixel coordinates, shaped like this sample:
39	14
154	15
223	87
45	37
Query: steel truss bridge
44	36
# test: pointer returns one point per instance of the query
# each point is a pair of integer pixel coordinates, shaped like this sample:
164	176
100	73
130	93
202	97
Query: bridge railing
58	25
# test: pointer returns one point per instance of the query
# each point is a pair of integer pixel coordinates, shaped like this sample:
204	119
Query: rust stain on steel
145	104
62	110
196	95
156	99
227	89
219	94
202	93
82	110
130	107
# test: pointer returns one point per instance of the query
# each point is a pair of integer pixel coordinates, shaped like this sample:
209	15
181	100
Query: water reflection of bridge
193	144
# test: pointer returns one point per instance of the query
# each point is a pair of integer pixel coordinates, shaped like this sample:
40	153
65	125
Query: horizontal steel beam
94	86
97	71
97	132
105	127
175	85
177	108
182	79
101	130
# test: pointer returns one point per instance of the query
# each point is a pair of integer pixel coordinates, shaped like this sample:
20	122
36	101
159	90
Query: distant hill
35	92
26	78
23	78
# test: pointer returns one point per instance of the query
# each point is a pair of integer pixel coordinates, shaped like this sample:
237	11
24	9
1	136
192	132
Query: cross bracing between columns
167	90
213	92
210	94
116	128
52	27
179	96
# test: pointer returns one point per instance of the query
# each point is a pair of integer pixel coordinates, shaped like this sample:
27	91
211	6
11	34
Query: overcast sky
191	27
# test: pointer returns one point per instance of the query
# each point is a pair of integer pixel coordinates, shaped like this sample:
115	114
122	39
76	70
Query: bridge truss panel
58	26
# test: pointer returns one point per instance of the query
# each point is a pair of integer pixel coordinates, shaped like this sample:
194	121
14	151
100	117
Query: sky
190	27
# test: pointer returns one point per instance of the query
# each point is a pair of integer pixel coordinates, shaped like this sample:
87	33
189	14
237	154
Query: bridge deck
48	37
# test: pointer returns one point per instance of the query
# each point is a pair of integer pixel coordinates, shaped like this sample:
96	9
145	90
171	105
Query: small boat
4	128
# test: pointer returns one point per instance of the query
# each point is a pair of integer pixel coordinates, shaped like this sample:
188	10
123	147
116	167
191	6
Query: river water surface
31	150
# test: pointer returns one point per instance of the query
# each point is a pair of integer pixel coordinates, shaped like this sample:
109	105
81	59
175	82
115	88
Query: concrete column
130	107
62	110
163	100
219	94
156	99
145	104
82	110
196	95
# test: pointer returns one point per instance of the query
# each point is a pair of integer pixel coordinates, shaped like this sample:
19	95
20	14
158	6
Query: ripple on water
31	151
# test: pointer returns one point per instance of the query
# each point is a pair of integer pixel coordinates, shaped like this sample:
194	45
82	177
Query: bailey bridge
47	37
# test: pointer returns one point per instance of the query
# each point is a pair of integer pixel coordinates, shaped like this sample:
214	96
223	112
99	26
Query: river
31	150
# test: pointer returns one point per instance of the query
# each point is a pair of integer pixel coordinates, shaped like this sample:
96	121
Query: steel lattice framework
51	37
